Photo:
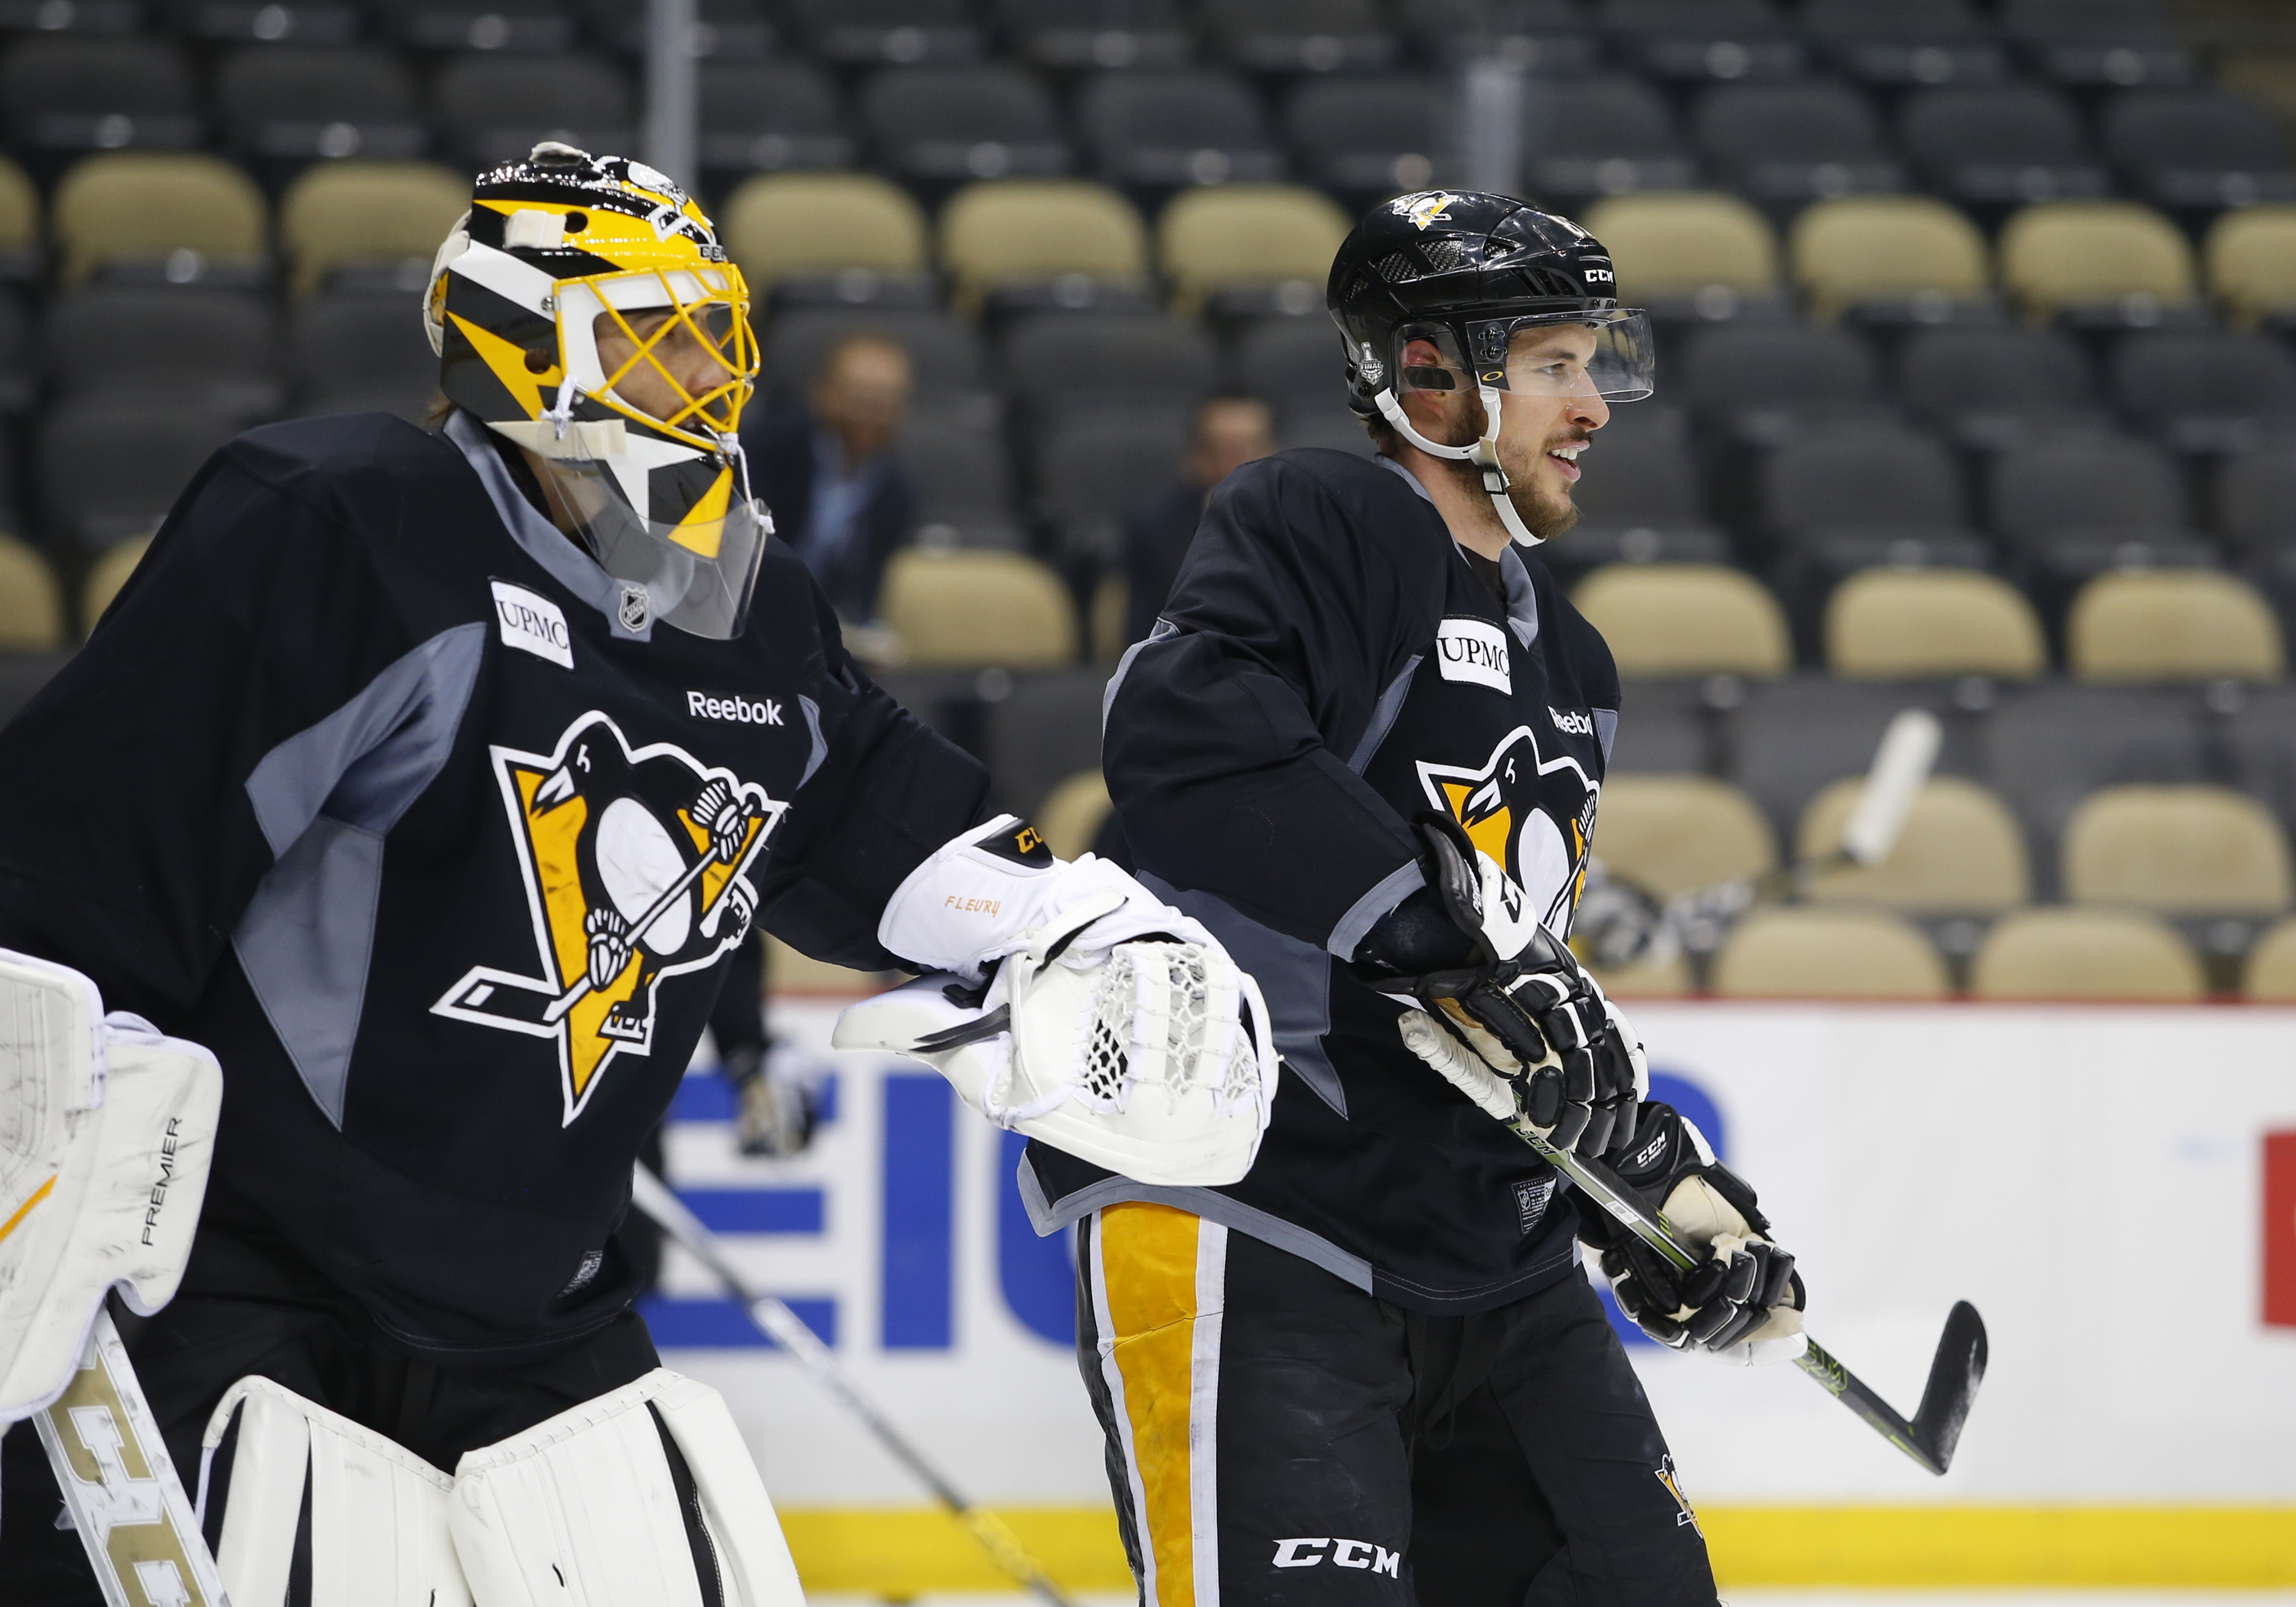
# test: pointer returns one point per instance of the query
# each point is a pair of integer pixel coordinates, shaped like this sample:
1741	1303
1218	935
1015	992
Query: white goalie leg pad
585	1510
106	1131
1152	1059
378	1533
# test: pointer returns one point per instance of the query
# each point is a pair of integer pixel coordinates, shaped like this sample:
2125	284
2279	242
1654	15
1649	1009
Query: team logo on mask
1425	210
636	867
1532	815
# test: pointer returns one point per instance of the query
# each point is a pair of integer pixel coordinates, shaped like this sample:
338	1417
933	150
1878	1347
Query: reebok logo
1343	1553
1475	651
733	711
1574	723
532	623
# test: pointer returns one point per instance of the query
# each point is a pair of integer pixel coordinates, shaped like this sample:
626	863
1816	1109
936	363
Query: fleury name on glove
1742	1304
1113	1027
1504	1010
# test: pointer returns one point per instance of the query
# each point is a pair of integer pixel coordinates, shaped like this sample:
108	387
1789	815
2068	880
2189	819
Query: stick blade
1955	1373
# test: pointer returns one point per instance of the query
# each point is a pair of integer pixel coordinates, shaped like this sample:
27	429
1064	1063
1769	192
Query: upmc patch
2280	1230
1475	650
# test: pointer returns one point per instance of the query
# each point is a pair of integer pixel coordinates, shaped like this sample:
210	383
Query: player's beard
1543	513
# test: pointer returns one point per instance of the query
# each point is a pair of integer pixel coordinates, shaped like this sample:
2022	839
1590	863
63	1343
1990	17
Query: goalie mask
575	284
1478	277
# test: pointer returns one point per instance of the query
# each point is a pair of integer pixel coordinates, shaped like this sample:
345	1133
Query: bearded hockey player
427	780
1373	1370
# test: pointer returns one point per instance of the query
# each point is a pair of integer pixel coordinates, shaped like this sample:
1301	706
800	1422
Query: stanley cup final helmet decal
563	253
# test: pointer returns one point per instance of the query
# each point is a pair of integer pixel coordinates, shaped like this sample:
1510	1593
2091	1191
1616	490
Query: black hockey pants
243	1311
1276	1436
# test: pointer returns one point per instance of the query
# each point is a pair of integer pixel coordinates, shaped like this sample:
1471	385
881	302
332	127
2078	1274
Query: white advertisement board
2094	1179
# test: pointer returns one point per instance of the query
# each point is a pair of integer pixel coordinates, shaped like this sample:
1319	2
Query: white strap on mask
1484	455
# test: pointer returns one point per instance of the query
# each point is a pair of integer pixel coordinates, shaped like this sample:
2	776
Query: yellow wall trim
906	1551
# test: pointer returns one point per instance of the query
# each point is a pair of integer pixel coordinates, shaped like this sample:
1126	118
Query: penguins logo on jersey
636	869
1532	815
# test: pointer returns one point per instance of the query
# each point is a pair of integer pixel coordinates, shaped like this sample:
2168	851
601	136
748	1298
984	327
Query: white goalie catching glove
1115	1029
106	1130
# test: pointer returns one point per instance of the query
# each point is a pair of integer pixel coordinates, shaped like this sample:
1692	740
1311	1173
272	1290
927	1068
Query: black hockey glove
1506	1011
1742	1305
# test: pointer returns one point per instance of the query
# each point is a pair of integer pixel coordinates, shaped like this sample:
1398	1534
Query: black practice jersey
1329	666
375	785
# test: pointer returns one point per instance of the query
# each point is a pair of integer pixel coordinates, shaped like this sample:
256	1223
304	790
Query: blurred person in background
827	471
1232	429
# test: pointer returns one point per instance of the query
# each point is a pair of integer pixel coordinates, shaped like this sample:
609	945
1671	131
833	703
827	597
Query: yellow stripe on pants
1158	1281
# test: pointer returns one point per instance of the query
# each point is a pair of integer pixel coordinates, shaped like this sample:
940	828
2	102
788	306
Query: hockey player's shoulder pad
341	462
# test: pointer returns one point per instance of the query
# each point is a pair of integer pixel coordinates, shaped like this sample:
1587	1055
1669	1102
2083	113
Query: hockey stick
1632	924
1955	1369
777	1322
119	1485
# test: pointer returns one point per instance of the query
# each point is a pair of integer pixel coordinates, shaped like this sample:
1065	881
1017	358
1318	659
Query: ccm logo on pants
1344	1553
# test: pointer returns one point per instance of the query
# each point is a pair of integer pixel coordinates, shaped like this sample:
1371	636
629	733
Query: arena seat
1767	383
1702	39
1041	733
1293	361
946	124
360	350
1792	736
1071	813
1905	42
2097	43
62	95
218	347
964	609
1879	475
380	221
520	27
1165	130
1961	851
93	493
1674	834
2206	392
1366	138
1016	237
947	358
2196	148
174	214
31	602
1994	146
1646	978
1067	35
859	33
1301	36
2256	499
792	226
1646	502
2085	953
1134	364
1255	247
1603	136
766	117
2184	850
1830	953
2250	253
1668	245
1992	387
1908	625
1867	249
1686	620
2053	742
284	103
495	108
20	222
2270	975
1092	467
2063	255
106	576
1786	144
2185	625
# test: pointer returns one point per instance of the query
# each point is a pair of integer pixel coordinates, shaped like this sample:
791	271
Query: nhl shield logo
636	864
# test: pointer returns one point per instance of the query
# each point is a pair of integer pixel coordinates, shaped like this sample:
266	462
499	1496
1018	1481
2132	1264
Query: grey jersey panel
1384	713
325	798
1294	978
543	542
1213	1206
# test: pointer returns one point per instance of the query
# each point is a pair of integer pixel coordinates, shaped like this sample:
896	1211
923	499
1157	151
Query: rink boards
2096	1180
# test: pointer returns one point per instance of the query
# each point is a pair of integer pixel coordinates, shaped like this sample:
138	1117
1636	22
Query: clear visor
699	574
1608	354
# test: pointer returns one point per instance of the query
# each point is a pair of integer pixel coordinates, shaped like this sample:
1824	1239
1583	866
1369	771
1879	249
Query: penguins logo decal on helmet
564	253
1466	272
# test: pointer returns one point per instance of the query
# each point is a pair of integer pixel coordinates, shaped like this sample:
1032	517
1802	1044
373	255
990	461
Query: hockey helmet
1468	272
560	252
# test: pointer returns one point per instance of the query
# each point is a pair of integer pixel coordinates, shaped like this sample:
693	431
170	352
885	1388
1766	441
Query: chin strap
1484	455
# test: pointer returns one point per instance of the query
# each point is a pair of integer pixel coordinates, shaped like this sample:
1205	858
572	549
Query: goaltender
1373	1370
